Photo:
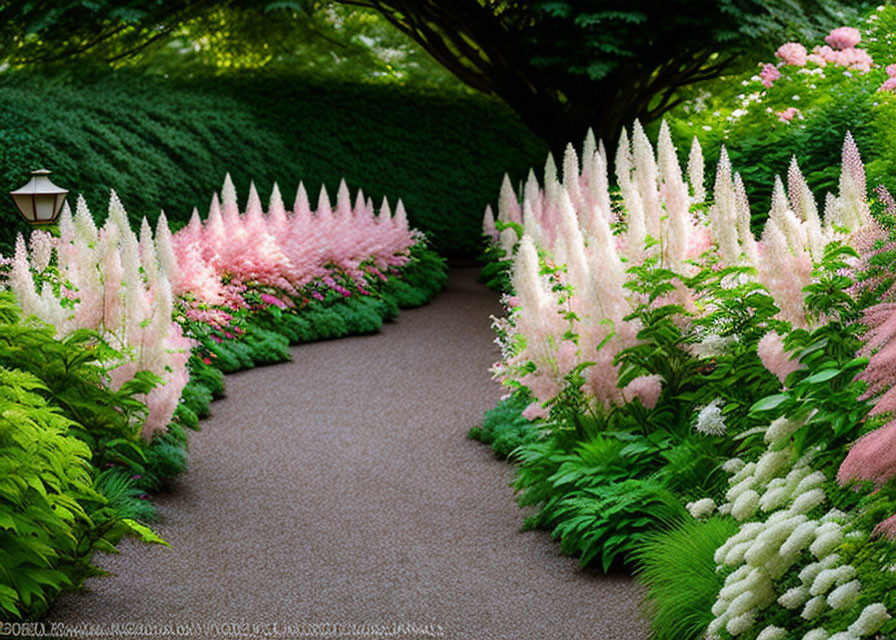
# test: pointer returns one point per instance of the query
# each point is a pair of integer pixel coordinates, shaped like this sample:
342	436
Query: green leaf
770	402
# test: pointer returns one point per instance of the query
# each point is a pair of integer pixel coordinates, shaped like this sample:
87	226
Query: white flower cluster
772	498
713	345
710	420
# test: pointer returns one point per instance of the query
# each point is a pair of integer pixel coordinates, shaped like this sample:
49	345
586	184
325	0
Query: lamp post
39	200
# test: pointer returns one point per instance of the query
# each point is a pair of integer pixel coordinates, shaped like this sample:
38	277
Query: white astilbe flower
808	501
816	634
828	578
741	623
830	535
813	608
870	620
794	597
772	633
802	537
769	464
746	505
701	508
781	428
713	345
734	465
710	420
844	596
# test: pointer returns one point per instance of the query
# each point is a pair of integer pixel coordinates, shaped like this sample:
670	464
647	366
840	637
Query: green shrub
505	428
166	143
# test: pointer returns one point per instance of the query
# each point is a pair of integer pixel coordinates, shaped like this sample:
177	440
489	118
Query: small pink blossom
646	388
535	412
792	53
769	74
774	358
843	37
887	528
788	114
889	84
891	70
272	300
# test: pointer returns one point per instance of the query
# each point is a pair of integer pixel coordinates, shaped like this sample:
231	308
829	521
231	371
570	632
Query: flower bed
114	344
706	405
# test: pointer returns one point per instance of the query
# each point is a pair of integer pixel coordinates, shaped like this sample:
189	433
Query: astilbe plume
110	282
570	227
286	250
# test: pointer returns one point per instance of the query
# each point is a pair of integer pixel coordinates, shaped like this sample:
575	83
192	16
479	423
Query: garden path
340	488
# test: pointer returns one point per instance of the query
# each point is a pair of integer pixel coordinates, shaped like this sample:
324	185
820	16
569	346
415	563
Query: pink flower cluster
112	283
843	38
792	53
890	83
769	74
840	50
282	249
572	307
788	114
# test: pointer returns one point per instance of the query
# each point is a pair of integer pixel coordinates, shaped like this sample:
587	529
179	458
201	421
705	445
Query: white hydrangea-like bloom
710	420
830	535
741	623
807	501
816	634
774	498
870	620
814	608
801	538
746	504
713	345
781	428
770	464
772	633
844	596
734	465
701	508
794	597
830	577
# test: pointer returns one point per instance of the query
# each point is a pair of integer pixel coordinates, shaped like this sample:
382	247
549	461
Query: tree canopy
563	66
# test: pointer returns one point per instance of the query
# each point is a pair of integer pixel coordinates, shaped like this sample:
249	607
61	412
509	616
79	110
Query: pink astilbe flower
792	53
887	528
843	37
788	114
889	84
117	289
646	388
769	74
871	458
535	412
774	357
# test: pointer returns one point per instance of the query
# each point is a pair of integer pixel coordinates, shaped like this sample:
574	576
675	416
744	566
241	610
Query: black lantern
39	201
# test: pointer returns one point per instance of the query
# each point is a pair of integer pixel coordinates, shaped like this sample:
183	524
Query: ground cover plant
113	343
681	388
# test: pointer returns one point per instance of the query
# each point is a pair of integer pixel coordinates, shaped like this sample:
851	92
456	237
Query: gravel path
340	488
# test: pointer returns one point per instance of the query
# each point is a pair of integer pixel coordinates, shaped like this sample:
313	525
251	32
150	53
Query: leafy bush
505	428
164	143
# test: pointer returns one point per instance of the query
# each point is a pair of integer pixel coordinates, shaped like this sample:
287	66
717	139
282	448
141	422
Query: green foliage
505	428
45	484
678	570
167	143
740	113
